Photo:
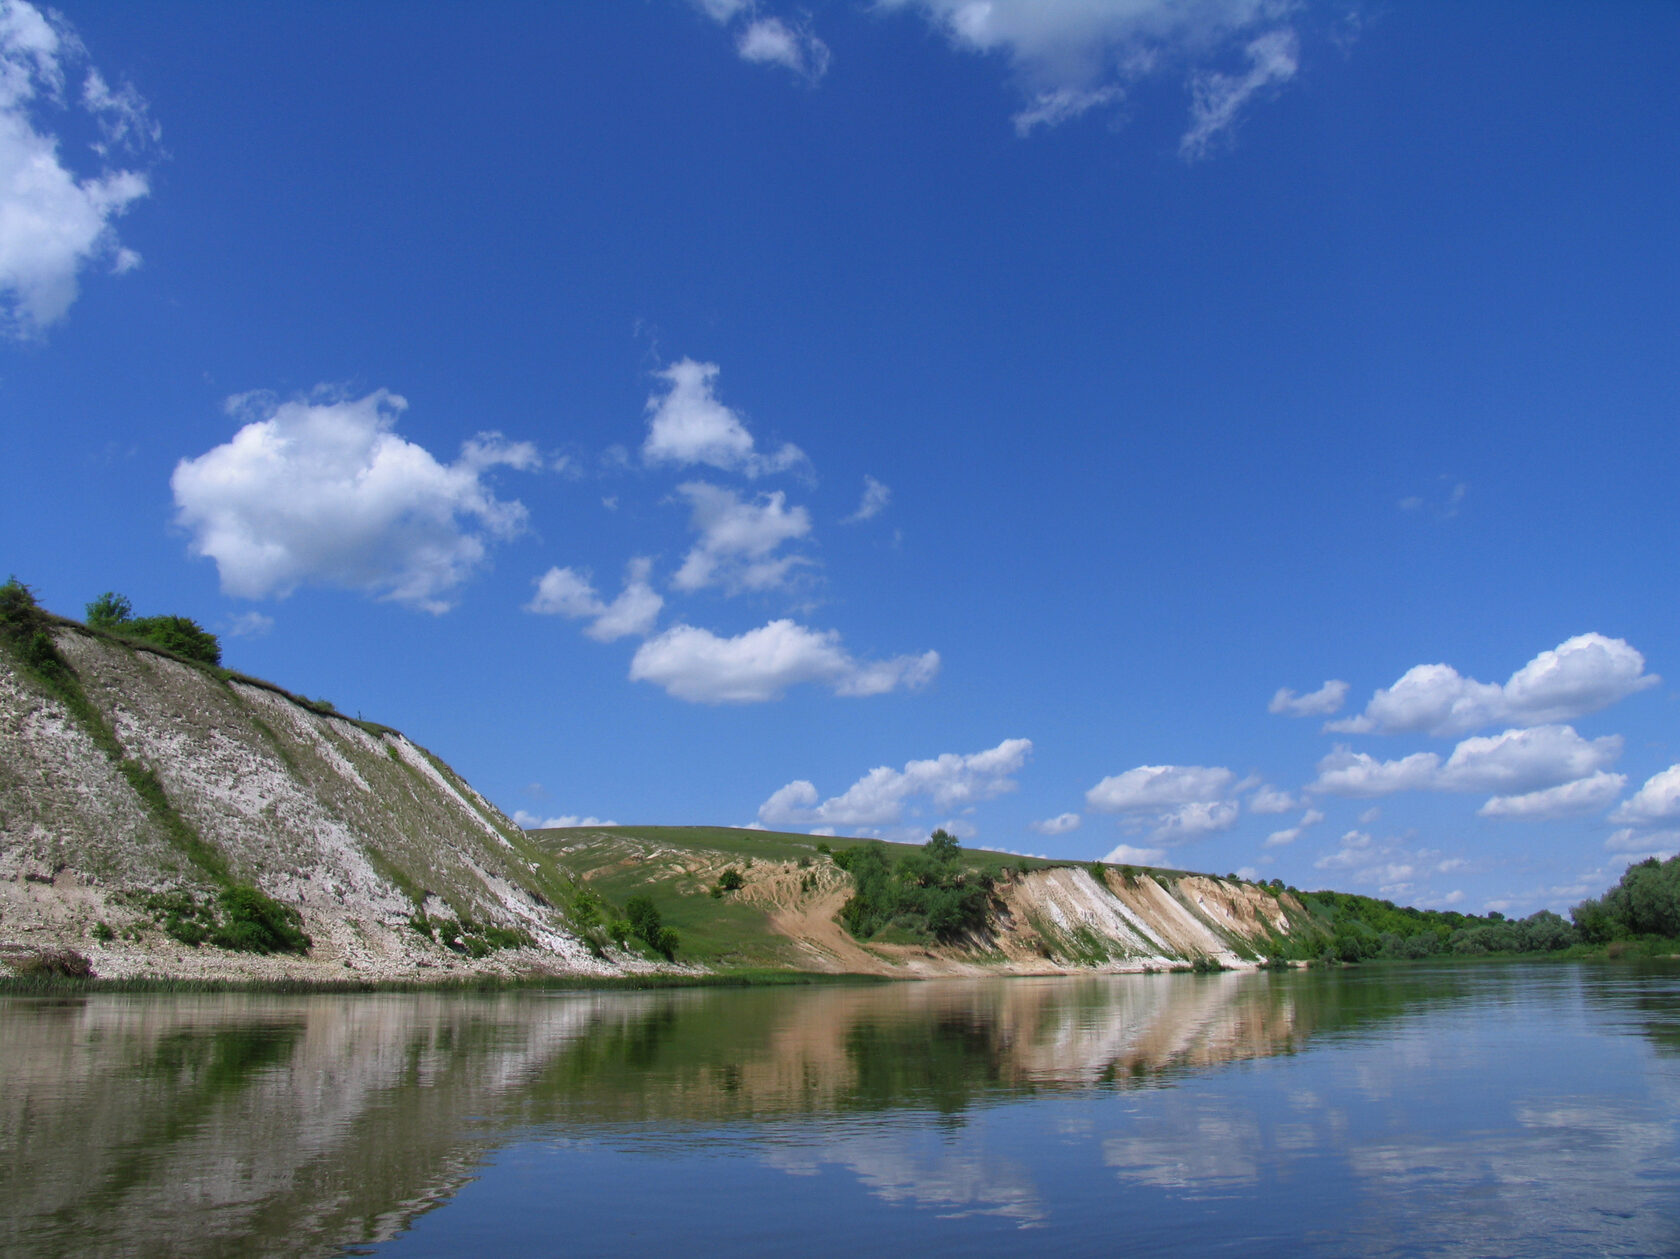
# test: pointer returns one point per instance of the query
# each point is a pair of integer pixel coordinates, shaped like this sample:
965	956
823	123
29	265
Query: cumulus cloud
1269	799
761	664
54	221
880	797
1126	855
1384	863
875	499
567	592
1218	99
1186	801
771	41
738	539
1513	763
1277	839
1069	57
1644	843
250	625
1581	675
1584	795
688	425
1061	824
323	491
1320	703
532	822
1657	801
1157	786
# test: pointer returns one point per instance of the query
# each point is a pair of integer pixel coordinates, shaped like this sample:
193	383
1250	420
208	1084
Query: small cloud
250	625
1059	105
875	499
1270	800
531	822
880	797
567	592
1320	703
1186	801
739	539
1657	801
761	664
1218	99
1126	855
771	41
688	425
1061	824
1445	506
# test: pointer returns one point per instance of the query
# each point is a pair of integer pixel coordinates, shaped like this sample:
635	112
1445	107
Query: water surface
1479	1110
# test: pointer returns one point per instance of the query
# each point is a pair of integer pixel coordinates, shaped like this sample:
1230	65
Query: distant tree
109	611
943	847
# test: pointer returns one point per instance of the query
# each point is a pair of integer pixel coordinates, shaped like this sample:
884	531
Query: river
1477	1109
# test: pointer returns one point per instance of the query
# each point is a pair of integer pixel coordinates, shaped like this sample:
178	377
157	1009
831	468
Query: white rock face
354	825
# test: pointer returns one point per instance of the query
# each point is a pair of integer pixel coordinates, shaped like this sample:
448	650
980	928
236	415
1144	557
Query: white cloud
1584	795
1187	801
1193	820
1513	763
1320	703
770	40
566	592
1126	855
1581	675
1383	863
532	822
1270	800
1061	824
1657	801
738	539
1158	786
880	796
324	492
1644	843
1312	817
1447	507
874	501
722	11
688	425
761	664
1071	56
250	625
1062	104
53	221
1218	99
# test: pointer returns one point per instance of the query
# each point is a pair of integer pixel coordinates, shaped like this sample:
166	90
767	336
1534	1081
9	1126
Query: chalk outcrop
353	824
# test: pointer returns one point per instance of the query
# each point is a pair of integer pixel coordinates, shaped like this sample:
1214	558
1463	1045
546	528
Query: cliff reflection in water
214	1124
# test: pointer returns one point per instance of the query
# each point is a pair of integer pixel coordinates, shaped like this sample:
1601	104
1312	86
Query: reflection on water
1483	1110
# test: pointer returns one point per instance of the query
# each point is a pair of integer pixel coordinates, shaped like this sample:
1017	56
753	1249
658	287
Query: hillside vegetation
163	816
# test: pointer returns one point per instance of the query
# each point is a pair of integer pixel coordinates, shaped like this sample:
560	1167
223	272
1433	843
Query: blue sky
1238	434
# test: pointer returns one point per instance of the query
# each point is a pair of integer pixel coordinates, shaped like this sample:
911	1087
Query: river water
1477	1110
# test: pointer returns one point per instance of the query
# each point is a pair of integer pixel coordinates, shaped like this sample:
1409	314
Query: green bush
182	635
926	893
644	920
239	918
